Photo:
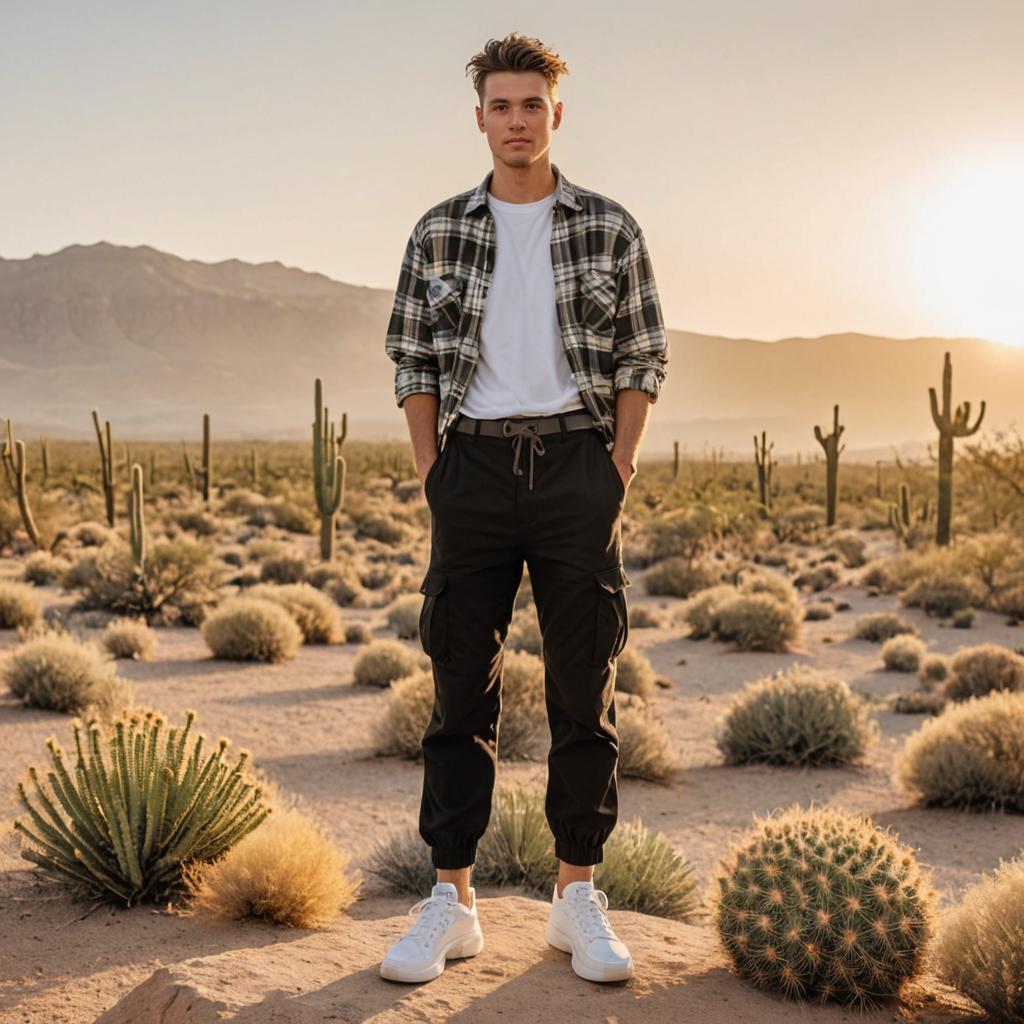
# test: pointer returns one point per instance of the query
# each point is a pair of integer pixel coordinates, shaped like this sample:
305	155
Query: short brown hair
516	53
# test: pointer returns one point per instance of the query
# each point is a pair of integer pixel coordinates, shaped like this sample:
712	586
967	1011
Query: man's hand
423	468
626	470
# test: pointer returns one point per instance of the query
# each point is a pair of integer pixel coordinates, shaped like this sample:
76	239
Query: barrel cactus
822	904
139	802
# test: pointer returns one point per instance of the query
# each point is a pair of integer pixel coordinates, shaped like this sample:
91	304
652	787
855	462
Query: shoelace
432	914
587	908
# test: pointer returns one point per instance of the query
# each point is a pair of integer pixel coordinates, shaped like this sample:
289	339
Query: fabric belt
531	427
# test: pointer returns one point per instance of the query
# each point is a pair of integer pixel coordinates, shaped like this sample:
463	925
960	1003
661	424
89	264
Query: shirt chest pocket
444	301
598	299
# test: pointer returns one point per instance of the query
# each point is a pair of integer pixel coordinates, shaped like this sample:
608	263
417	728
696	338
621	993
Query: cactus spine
763	459
328	471
832	452
823	904
951	424
136	519
127	829
106	467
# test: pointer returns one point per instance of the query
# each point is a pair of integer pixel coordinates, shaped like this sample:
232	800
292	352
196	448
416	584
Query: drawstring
521	430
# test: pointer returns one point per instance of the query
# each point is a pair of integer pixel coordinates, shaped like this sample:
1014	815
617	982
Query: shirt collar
565	193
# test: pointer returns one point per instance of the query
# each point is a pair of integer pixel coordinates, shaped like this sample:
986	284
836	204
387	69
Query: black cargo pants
485	522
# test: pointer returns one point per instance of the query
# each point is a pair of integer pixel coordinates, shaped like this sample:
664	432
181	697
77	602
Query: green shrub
980	949
129	638
134	809
55	671
975	671
382	663
19	606
316	615
757	622
798	716
251	629
972	755
634	674
823	904
903	653
881	626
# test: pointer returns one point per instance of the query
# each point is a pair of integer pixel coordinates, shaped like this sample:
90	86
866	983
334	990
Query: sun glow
966	256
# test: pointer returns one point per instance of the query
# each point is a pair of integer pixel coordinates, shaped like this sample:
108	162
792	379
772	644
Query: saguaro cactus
328	472
14	466
951	424
201	475
675	460
107	467
136	519
833	450
763	459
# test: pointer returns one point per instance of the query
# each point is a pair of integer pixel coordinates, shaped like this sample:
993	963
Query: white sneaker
577	924
444	929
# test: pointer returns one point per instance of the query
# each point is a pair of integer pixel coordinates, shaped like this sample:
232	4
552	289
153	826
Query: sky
798	167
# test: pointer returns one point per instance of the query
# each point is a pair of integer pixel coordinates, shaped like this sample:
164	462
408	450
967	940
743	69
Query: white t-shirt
522	369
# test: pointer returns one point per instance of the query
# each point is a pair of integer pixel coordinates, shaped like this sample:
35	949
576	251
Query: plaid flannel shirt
607	302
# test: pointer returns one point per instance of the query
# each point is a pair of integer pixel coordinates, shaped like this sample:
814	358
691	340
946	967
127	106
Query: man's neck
523	184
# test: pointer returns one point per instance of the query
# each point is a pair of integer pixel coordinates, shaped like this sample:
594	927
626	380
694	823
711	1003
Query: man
529	344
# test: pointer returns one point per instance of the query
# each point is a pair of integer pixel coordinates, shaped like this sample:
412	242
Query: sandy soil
307	726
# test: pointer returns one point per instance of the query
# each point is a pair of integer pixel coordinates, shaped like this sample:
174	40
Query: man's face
516	105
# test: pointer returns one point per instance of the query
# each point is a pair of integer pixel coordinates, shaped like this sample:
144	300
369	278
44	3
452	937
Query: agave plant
131	814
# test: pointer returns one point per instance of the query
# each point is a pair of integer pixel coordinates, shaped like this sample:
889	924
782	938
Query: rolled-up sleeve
409	341
640	349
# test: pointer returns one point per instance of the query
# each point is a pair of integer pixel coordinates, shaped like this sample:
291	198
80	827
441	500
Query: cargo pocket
612	628
434	615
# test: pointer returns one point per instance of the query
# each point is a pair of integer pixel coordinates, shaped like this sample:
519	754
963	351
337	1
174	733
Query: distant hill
152	341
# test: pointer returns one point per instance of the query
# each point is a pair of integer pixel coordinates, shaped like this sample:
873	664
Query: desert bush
57	672
878	573
963	618
404	616
401	860
798	716
933	670
818	578
517	848
634	674
523	713
850	548
283	569
259	549
142	803
757	622
358	633
980	948
524	632
761	581
823	904
286	515
677	577
91	534
1010	602
251	629
42	568
817	612
903	653
382	663
179	582
942	594
19	607
975	671
917	702
699	611
241	502
972	755
382	528
881	626
315	614
645	749
129	638
643	616
399	728
287	872
195	520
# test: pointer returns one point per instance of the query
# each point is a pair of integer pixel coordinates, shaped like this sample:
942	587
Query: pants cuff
449	858
578	854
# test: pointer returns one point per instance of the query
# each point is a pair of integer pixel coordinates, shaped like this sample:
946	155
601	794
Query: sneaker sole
467	945
560	940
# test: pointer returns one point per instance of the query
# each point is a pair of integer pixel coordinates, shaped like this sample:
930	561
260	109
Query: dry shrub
19	607
358	633
903	653
401	860
251	629
850	548
287	872
55	671
643	616
677	577
980	949
699	611
934	669
92	534
129	638
645	749
942	594
798	716
972	755
283	569
399	730
524	632
313	611
757	622
383	662
881	626
975	671
42	568
523	710
404	616
634	674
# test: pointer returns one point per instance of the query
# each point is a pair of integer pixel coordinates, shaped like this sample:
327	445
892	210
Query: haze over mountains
152	341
